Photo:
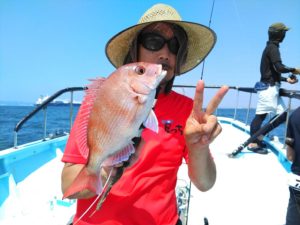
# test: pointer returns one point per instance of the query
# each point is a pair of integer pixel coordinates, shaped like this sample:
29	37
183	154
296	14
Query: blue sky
48	45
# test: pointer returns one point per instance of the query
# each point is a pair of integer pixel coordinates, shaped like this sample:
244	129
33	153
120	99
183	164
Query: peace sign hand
202	127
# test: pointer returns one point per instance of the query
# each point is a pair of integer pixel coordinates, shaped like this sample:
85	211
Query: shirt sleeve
276	60
283	68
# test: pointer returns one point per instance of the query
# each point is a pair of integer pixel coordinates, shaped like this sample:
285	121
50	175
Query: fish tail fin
85	181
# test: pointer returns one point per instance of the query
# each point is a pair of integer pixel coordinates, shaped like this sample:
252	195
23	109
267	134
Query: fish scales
117	117
121	110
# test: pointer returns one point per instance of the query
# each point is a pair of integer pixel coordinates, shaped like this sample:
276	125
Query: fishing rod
211	13
270	125
262	131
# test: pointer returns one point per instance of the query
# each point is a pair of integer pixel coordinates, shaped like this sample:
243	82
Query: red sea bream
111	115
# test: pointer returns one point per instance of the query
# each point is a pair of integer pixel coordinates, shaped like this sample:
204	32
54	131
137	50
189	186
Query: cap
278	27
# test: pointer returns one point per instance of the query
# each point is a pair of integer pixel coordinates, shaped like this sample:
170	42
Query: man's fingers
210	125
212	128
198	99
215	101
213	104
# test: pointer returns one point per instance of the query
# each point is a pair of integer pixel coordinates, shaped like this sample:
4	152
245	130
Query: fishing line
211	14
93	203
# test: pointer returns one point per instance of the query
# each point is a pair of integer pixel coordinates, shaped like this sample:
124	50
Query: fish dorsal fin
151	122
84	114
95	84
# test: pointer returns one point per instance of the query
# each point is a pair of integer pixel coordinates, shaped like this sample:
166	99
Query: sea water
57	117
58	122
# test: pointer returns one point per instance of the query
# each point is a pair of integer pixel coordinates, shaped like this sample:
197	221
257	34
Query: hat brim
201	40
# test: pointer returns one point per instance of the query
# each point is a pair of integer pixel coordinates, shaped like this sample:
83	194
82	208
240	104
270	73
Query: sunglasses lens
173	45
155	42
152	42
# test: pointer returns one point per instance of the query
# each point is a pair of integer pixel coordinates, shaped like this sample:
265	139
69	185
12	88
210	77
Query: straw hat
201	39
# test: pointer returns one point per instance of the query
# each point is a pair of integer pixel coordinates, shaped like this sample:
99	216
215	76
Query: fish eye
140	70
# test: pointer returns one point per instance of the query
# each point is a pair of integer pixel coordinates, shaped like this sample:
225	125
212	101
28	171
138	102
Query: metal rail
43	107
291	94
283	92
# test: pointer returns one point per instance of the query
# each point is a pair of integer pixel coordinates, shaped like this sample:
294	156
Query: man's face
162	56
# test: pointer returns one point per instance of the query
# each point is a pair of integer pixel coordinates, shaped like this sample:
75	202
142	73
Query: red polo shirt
145	194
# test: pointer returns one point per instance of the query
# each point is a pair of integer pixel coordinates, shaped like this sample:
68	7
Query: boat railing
290	94
43	106
282	92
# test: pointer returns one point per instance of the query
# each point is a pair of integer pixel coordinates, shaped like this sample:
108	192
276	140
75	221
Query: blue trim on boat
280	156
21	162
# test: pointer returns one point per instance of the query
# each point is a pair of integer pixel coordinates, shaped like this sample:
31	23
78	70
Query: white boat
55	102
250	188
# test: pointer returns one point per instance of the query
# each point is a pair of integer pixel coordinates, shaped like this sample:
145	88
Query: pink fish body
110	116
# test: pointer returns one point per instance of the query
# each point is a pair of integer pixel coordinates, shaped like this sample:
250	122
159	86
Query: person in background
145	193
269	101
293	155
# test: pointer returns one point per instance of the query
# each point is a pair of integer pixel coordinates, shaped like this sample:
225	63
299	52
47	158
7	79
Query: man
269	101
145	193
293	155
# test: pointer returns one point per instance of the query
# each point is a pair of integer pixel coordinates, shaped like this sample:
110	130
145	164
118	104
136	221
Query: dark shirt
271	65
293	131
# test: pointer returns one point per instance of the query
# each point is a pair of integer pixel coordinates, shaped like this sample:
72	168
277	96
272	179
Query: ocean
58	122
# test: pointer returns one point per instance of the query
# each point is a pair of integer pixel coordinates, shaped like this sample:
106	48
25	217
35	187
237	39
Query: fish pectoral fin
120	156
151	122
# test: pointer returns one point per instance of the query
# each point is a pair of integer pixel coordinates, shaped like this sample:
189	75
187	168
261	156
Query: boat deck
38	199
250	189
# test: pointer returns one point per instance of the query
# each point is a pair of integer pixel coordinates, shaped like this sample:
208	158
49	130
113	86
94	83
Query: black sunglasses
155	42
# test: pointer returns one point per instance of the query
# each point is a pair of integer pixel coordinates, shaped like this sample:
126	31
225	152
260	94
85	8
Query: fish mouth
160	77
163	73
